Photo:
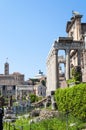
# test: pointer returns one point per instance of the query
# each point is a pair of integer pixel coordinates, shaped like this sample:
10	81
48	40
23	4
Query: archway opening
61	61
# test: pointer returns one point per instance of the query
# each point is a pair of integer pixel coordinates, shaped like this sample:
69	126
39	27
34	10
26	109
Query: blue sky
29	27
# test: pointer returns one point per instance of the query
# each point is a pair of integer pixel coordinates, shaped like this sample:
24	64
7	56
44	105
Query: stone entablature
65	43
72	45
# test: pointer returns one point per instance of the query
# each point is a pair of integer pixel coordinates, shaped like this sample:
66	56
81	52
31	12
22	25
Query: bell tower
6	68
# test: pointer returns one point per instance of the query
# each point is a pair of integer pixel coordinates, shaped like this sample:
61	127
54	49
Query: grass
61	123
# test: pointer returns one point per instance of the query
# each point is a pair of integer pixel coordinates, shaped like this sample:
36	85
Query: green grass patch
64	122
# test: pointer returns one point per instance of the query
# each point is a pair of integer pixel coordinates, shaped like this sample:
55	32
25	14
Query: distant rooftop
16	73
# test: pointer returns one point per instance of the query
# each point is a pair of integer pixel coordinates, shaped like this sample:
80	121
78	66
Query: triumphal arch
74	46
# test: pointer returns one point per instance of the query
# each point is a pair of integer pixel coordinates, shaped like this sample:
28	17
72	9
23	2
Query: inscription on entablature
71	46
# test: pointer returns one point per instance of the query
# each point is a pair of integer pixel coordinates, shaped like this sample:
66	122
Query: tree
76	73
33	98
43	82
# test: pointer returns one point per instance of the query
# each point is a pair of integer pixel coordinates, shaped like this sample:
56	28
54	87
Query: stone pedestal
53	103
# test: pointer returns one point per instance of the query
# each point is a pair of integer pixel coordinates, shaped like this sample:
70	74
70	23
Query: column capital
55	51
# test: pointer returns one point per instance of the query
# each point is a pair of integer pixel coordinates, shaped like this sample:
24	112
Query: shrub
76	73
72	100
33	98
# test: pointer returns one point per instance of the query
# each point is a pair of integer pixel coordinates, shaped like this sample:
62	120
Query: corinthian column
84	56
67	64
85	40
79	57
56	69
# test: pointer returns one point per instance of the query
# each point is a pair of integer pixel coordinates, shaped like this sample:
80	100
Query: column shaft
79	57
67	64
56	69
85	40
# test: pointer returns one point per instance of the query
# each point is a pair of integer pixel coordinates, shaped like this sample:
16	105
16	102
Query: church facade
8	82
13	85
77	29
74	46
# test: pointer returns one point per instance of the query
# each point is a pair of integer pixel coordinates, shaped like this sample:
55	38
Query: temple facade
74	46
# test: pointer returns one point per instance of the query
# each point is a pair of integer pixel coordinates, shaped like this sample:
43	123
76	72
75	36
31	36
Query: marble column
65	70
84	52
56	68
85	40
67	64
84	60
79	57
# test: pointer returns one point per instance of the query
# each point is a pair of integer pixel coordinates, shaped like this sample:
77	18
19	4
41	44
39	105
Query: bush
33	98
76	73
72	100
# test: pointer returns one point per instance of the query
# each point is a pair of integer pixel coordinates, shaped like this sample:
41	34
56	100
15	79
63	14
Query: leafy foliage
43	82
50	124
72	100
60	123
76	73
34	81
33	98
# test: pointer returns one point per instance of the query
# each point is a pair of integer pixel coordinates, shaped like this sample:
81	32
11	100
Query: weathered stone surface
45	114
34	113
